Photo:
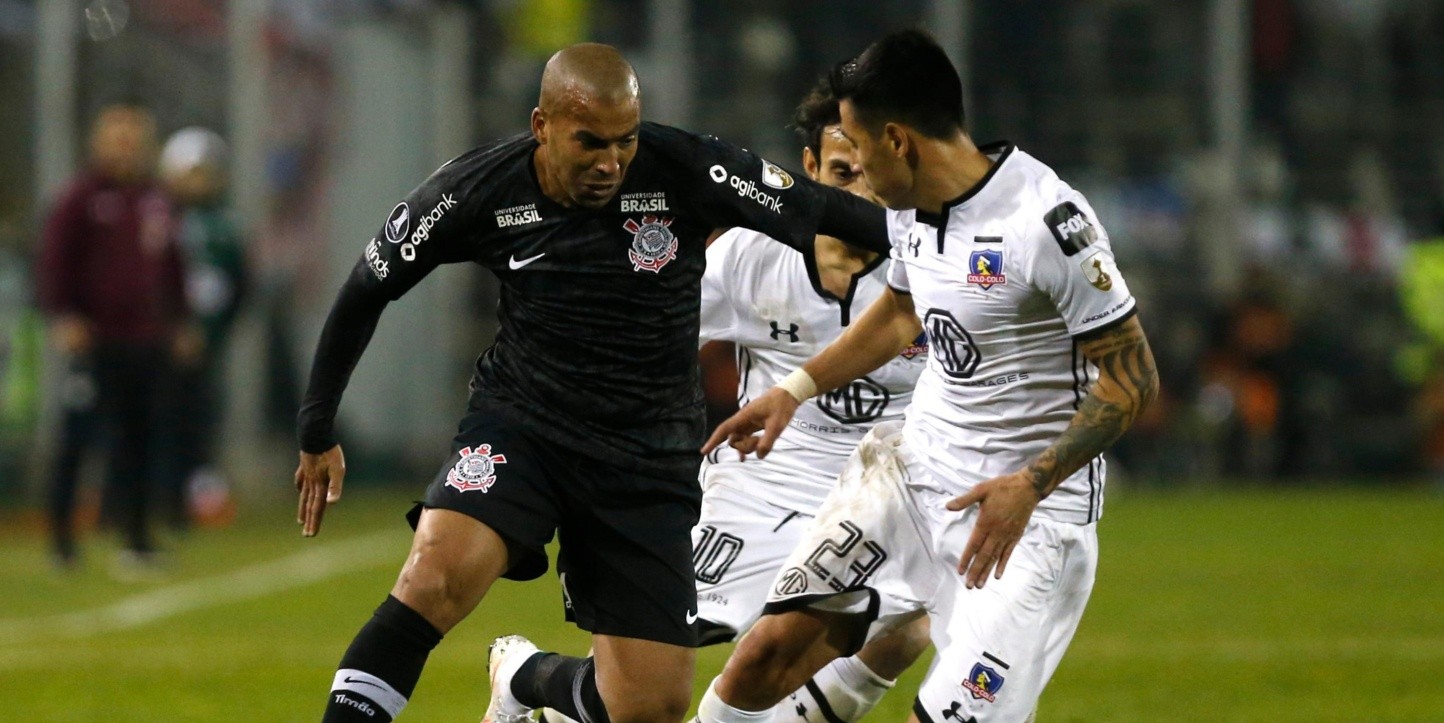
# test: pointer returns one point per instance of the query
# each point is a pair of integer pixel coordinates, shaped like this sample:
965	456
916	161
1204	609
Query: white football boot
507	653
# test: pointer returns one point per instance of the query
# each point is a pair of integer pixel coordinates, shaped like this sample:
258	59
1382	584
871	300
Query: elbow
1151	389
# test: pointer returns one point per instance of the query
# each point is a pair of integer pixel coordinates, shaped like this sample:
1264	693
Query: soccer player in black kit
586	416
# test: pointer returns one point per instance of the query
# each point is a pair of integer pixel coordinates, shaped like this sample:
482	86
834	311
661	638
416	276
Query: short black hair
817	111
904	77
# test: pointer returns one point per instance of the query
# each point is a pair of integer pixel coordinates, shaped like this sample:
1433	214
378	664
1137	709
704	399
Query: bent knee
442	580
761	658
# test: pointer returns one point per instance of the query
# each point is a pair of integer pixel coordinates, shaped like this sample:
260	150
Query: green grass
1210	606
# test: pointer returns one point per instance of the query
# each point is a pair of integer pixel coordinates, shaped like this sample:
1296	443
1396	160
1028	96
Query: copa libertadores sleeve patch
1071	228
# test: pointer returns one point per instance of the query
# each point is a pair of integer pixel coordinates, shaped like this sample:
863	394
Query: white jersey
756	293
1003	280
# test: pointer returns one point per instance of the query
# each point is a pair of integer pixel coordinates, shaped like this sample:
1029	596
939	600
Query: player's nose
609	162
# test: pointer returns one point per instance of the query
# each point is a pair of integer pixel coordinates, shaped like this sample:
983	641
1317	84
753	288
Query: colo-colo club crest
476	470
653	244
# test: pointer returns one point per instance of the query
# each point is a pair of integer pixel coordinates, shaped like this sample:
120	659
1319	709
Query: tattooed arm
1127	383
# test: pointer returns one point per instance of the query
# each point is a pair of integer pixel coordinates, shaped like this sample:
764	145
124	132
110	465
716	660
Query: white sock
713	710
844	690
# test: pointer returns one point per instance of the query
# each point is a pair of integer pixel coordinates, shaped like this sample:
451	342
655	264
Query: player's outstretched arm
883	331
1127	383
344	338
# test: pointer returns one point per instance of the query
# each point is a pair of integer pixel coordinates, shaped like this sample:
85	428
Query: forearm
1127	383
854	221
874	339
348	330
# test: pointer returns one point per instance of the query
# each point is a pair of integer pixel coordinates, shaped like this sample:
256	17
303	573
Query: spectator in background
1250	361
110	283
193	168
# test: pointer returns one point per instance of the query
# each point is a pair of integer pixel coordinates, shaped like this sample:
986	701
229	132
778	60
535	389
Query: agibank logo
400	222
747	188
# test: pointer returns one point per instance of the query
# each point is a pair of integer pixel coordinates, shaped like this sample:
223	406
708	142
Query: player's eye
628	142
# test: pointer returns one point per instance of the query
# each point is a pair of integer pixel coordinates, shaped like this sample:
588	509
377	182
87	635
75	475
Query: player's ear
809	163
539	125
896	140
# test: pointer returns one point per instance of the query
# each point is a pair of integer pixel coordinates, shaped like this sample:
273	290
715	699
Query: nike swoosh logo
514	264
349	679
691	617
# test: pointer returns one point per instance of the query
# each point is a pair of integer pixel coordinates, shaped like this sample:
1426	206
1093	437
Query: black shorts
626	538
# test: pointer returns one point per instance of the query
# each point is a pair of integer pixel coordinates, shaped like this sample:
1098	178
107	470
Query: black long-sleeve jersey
597	347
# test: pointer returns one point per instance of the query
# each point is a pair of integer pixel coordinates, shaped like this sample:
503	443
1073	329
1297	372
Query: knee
453	562
430	586
426	589
890	655
760	659
915	637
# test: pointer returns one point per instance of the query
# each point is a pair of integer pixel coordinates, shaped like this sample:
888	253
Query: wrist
1038	479
799	384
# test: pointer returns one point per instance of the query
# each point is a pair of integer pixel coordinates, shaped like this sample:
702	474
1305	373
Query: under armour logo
778	331
799	707
914	243
954	711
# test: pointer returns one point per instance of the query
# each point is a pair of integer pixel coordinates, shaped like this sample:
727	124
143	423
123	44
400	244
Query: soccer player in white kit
759	295
1037	363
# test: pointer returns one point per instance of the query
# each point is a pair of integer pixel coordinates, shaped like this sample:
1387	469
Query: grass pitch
1226	605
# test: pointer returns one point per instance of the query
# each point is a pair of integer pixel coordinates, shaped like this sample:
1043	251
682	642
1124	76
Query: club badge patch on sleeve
1070	228
398	224
774	176
1095	269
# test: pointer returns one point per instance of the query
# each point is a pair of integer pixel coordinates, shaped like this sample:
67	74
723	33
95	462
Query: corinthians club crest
653	244
476	470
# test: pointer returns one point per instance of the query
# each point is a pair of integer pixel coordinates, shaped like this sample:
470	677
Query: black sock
380	669
566	685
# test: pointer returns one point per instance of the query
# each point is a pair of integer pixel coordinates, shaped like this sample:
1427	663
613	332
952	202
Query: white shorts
883	545
738	546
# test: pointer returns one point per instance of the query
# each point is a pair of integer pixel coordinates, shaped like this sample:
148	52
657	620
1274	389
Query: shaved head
587	74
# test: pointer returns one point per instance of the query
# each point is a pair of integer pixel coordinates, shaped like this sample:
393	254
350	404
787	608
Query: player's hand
1004	506
768	414
318	482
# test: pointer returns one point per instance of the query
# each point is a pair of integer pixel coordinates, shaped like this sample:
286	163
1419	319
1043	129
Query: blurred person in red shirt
110	283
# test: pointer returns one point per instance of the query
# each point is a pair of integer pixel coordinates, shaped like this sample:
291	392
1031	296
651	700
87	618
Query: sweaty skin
587	71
